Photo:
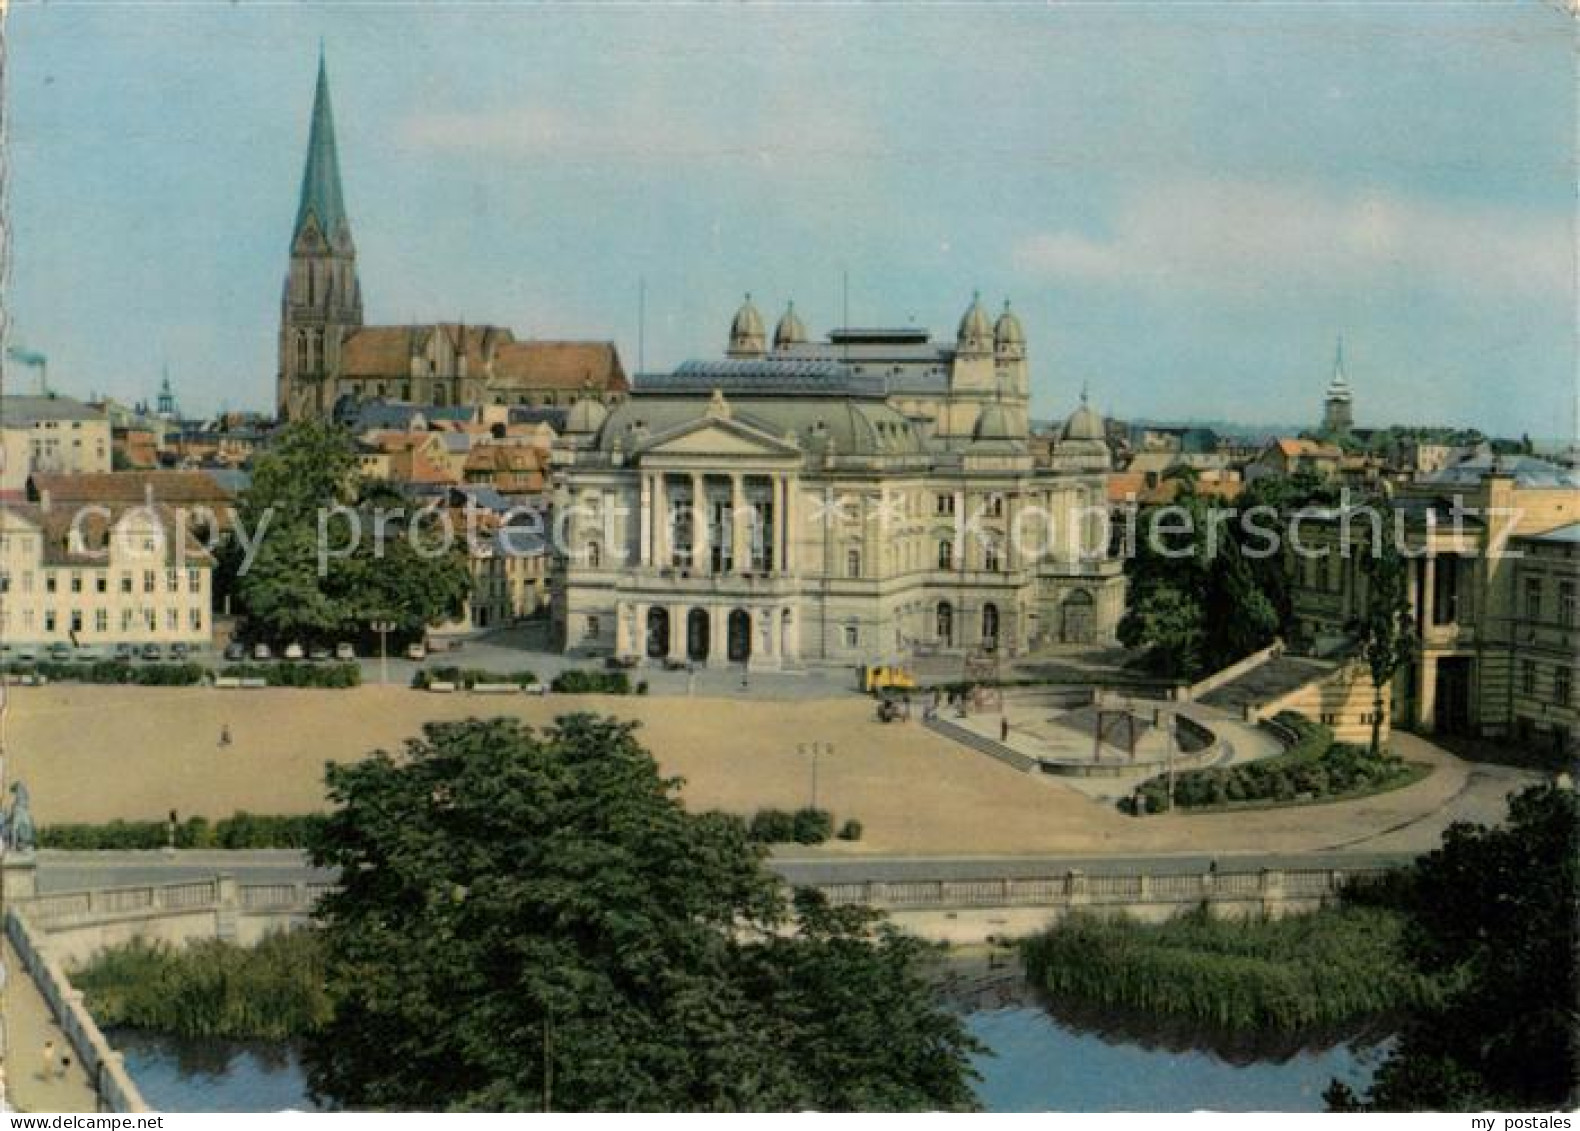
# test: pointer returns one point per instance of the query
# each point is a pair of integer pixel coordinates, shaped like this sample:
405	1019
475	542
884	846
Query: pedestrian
48	1064
65	1066
1003	728
224	734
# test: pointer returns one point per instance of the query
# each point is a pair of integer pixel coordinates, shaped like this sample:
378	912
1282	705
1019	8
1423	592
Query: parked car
416	651
344	651
235	650
152	653
262	652
180	651
125	652
27	654
60	652
319	652
293	651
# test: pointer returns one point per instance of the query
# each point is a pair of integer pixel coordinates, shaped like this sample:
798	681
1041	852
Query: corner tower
322	302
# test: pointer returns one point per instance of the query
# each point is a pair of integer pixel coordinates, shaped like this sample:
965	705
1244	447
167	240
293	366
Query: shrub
1314	767
850	830
580	681
771	826
292	674
242	830
469	677
113	671
812	826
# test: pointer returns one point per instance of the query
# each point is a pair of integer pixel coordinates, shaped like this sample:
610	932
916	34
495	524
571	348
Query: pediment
714	437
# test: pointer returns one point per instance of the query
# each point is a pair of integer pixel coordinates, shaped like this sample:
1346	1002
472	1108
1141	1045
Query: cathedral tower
1338	405
322	302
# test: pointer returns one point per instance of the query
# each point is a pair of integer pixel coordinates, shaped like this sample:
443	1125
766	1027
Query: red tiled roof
130	487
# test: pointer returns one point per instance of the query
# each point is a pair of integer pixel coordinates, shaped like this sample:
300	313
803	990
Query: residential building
101	577
49	434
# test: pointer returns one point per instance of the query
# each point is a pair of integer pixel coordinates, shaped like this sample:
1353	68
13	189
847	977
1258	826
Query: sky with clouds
1186	203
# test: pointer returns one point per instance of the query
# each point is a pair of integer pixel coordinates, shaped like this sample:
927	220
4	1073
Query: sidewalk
28	1024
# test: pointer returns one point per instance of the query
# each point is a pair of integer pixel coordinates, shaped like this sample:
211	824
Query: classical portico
770	512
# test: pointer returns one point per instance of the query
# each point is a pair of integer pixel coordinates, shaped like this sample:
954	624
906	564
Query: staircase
1023	762
1270	680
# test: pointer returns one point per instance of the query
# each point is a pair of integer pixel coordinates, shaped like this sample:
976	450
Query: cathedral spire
321	197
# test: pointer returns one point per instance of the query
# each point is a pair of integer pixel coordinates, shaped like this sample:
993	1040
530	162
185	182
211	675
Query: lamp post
383	628
814	749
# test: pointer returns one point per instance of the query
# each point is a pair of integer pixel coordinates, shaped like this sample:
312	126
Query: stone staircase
1270	680
1023	762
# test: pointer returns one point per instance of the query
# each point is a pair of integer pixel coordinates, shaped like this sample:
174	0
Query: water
1045	1059
176	1074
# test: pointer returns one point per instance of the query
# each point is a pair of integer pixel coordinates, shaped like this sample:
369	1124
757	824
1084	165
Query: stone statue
23	837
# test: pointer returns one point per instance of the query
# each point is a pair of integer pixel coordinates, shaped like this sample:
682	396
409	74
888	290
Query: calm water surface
1045	1057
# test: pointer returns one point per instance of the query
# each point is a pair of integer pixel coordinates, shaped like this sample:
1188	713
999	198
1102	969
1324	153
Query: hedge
242	830
580	681
112	671
469	677
804	826
291	674
1314	767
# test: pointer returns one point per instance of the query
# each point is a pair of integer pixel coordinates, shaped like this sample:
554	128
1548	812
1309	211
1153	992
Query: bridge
958	900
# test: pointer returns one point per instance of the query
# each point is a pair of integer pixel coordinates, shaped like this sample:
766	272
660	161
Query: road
74	871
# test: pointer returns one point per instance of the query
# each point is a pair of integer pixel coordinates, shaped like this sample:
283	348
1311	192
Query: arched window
946	622
301	351
311	277
852	563
946	554
990	623
594	555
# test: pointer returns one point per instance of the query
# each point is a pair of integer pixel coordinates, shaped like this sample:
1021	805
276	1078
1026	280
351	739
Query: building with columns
1494	571
794	506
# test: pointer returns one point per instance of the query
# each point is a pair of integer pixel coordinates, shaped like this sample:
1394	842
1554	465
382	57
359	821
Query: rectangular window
945	504
172	580
195	619
126	620
76	620
150	621
1533	598
592	628
49	583
126	583
148	581
101	620
1527	677
852	636
101	583
49	620
194	580
1562	684
1566	603
853	563
172	619
76	582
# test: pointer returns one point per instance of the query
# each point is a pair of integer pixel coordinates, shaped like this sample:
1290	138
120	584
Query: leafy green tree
531	920
306	505
1386	625
1494	912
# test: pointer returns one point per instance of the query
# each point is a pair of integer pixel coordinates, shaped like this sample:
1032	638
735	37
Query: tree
1386	624
307	504
531	920
1493	912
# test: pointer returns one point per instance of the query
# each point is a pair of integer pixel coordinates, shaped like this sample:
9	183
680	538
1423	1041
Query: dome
746	331
994	423
586	416
1007	331
975	329
1084	424
790	331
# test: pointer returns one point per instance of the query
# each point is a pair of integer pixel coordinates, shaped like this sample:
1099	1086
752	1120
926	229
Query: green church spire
321	196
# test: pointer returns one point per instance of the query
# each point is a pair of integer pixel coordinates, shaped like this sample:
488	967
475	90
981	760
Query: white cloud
1240	239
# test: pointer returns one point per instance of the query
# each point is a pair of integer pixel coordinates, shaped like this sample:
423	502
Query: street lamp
814	749
383	628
